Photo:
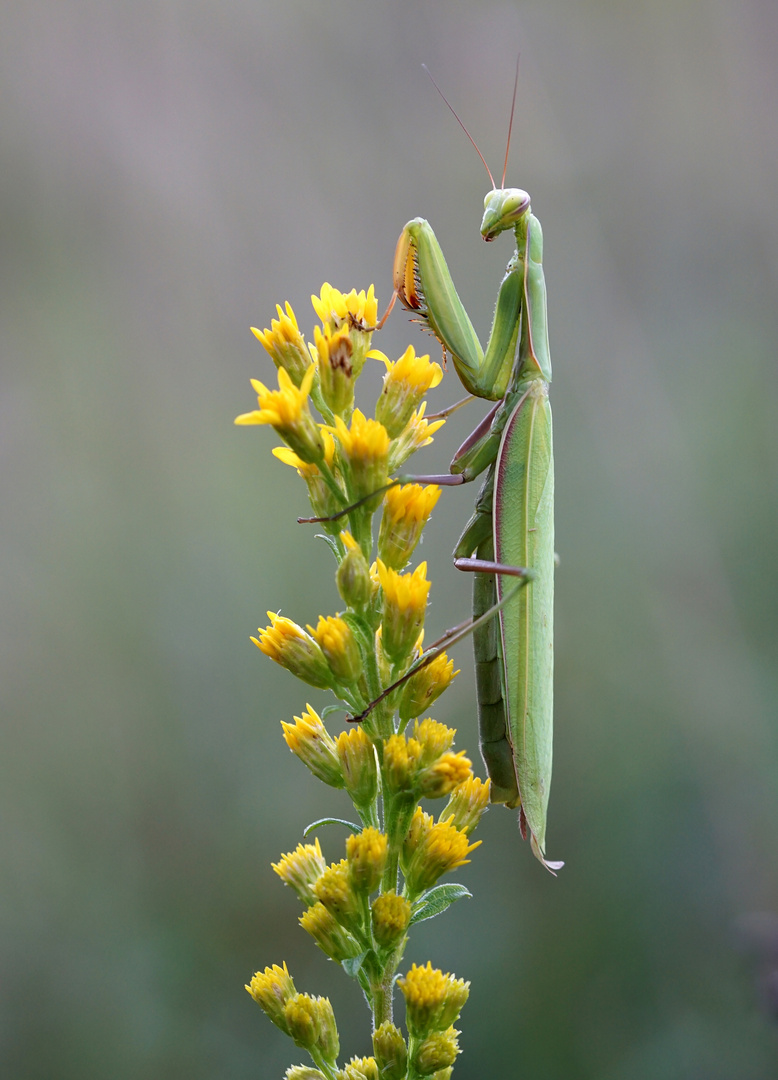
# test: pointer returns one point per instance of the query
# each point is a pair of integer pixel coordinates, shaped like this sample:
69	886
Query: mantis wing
524	536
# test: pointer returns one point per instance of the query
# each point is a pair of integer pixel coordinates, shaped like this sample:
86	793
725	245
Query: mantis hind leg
493	736
493	731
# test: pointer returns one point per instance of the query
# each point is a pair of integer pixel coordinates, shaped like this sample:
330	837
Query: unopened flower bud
301	868
308	738
400	765
335	891
358	765
365	447
272	989
433	1000
336	370
407	508
303	1072
311	1023
285	344
340	648
434	738
390	1051
405	384
360	1069
289	645
438	1051
430	850
328	934
467	804
426	686
324	502
353	577
444	775
404	607
366	854
391	918
418	432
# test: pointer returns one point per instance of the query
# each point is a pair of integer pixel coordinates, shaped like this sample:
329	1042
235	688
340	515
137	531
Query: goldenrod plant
359	908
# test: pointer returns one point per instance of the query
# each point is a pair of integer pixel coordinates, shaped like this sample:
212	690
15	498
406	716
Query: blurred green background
170	171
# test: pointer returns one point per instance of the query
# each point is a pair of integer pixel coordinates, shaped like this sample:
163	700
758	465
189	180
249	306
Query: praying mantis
511	531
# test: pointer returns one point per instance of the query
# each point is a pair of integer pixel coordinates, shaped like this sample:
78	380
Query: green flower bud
438	1051
390	1052
272	989
358	765
328	934
353	577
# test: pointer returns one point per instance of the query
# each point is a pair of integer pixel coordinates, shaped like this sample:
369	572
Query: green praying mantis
511	532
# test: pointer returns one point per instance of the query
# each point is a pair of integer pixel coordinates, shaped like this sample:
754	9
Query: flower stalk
360	908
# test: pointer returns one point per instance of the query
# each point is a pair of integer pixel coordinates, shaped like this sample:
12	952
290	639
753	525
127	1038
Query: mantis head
503	208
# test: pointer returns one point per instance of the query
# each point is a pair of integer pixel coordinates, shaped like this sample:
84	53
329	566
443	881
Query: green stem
322	1065
398	812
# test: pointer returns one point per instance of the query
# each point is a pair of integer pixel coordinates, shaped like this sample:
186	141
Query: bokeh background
170	171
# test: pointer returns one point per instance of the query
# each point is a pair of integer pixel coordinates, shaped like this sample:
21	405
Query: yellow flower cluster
359	910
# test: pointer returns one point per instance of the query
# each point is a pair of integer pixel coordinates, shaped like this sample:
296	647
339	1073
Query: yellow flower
311	1023
335	891
426	686
435	738
467	804
271	989
308	738
355	312
285	344
335	307
360	1069
431	850
331	938
286	410
366	854
438	1051
307	469
407	508
358	765
390	1051
445	774
334	352
391	917
400	764
339	646
418	432
404	607
323	502
289	645
432	1000
405	384
301	868
366	448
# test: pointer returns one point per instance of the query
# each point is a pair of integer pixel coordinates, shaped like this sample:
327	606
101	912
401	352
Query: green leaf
332	544
437	900
333	821
353	964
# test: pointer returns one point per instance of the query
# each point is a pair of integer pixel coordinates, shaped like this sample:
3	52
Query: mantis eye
515	203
